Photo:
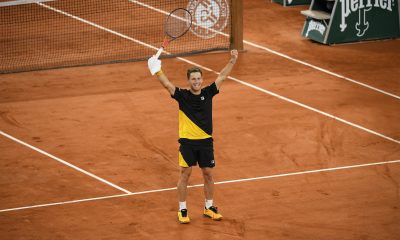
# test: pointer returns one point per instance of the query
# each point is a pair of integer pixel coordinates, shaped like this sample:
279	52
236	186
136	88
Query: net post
236	38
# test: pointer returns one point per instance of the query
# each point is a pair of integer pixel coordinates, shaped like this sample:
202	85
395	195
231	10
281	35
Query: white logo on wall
209	17
362	7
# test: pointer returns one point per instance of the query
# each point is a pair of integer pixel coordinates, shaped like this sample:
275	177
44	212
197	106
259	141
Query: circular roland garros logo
209	17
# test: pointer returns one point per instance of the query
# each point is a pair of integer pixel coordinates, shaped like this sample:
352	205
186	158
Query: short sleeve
177	94
212	89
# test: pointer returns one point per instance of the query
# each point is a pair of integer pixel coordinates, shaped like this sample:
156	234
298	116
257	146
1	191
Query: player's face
195	81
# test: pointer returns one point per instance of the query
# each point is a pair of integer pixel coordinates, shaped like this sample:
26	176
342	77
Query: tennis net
45	34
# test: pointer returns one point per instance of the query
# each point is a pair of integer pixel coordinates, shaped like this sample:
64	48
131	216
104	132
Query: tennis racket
176	25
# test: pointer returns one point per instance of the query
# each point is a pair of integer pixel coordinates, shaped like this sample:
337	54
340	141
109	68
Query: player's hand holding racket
176	25
154	65
234	56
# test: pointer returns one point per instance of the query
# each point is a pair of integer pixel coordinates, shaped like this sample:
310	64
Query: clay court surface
117	122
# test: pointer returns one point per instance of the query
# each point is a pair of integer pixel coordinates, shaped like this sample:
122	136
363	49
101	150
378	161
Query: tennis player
195	130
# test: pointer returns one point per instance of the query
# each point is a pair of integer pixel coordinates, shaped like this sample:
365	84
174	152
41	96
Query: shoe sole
183	222
215	219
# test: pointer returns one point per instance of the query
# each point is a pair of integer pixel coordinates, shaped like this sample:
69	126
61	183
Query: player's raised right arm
154	65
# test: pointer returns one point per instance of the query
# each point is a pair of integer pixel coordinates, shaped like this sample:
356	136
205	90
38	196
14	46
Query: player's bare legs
183	216
210	210
183	182
208	183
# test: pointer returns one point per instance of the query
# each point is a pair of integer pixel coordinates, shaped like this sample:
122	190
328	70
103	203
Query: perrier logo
362	7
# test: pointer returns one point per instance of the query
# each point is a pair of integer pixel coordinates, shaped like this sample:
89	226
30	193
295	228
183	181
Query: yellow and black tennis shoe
183	216
212	212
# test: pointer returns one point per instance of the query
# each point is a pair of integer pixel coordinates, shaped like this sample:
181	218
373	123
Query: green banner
359	20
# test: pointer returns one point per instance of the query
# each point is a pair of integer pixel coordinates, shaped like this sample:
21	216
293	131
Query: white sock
209	203
182	205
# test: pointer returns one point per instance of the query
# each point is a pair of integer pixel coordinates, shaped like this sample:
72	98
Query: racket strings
178	23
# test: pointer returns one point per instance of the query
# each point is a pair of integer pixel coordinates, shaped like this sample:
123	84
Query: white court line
100	27
97	26
200	185
235	79
63	162
149	7
281	55
320	69
316	110
20	2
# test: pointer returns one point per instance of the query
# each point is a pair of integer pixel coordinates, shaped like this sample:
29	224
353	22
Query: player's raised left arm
227	69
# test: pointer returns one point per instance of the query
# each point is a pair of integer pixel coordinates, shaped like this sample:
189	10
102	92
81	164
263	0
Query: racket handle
159	52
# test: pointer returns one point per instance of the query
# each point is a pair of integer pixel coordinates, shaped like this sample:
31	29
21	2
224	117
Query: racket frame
168	38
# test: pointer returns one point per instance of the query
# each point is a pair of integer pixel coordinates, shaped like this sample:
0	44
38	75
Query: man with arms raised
195	130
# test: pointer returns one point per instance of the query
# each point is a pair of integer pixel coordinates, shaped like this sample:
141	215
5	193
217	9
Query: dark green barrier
343	21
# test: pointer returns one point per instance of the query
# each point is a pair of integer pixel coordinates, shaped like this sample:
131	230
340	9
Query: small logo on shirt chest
202	98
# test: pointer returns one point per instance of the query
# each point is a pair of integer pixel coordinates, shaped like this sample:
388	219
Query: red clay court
307	143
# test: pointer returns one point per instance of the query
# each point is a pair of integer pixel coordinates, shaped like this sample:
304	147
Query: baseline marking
235	79
201	185
63	162
282	55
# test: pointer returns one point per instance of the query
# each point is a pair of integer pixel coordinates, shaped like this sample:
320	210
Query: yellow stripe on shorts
182	161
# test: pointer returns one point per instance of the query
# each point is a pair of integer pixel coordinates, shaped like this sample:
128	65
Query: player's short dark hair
192	70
